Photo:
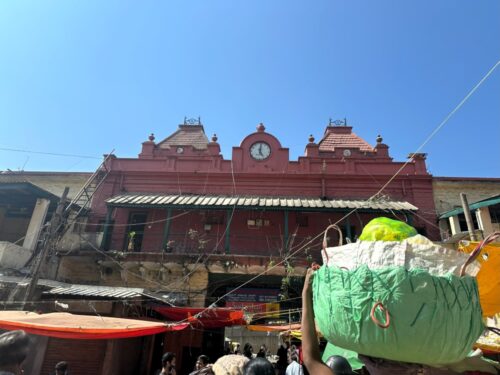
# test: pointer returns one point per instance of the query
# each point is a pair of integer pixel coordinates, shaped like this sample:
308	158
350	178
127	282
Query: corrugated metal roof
221	201
59	288
472	206
96	291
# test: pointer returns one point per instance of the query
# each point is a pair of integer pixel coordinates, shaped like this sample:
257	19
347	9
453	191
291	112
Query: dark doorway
189	356
213	343
135	231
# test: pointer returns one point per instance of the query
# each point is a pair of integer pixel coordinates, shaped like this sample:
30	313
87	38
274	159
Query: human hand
307	290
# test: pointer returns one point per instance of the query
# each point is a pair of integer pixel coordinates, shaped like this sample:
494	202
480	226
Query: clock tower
260	152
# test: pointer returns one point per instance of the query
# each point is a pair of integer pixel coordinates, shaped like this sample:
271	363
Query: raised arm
310	348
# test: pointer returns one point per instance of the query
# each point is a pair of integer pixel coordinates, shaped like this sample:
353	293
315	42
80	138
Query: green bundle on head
385	229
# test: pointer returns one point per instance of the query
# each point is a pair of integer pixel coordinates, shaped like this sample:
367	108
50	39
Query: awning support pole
347	227
285	236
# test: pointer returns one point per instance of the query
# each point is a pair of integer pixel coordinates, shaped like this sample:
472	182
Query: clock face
180	150
260	150
347	153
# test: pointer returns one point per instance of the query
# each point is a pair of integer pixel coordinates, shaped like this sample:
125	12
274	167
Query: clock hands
260	150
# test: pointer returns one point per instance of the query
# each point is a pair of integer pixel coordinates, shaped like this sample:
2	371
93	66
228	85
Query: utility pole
468	217
48	241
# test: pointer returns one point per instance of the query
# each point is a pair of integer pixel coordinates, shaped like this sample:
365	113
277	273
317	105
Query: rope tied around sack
475	253
325	242
375	319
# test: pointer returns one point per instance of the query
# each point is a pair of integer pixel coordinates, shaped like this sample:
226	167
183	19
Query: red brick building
258	202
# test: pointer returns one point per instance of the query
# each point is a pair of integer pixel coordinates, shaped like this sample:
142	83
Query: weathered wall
447	191
154	275
54	182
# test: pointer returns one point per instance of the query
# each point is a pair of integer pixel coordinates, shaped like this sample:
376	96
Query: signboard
255	300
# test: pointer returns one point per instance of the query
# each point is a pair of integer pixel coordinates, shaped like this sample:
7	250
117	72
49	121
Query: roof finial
192	121
151	137
214	138
311	139
261	127
337	122
379	139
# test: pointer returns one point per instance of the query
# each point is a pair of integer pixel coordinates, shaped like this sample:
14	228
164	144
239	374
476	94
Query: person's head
258	366
61	368
262	351
168	360
230	365
14	346
294	358
339	365
202	362
248	350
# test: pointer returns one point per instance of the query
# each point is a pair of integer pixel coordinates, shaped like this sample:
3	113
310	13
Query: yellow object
490	341
385	229
488	278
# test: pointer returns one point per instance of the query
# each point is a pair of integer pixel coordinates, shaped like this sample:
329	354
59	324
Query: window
258	223
302	220
215	219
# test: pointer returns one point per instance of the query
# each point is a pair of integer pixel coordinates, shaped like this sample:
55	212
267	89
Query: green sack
385	229
431	320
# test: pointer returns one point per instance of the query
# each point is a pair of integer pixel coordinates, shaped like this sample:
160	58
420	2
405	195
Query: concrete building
483	195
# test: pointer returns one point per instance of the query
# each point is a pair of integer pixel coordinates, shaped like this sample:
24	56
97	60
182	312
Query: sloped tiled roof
347	138
187	135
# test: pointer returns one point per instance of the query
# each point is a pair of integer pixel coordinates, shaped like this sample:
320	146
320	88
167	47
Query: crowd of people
291	360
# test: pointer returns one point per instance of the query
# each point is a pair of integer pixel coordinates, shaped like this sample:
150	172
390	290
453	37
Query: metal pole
285	245
54	225
347	226
468	217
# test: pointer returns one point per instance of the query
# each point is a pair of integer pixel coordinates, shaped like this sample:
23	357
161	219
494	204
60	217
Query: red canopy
81	327
203	317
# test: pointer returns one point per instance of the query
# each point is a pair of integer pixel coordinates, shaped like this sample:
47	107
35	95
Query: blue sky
85	77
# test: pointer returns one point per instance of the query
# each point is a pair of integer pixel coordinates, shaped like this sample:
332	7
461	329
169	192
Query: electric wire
374	196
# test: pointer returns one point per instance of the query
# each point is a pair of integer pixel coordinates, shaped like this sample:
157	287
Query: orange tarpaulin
81	327
488	278
264	328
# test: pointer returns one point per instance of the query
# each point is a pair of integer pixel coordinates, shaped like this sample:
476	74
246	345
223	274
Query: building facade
194	230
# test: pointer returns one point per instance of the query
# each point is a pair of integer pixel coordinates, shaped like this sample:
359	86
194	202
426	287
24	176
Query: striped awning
252	202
